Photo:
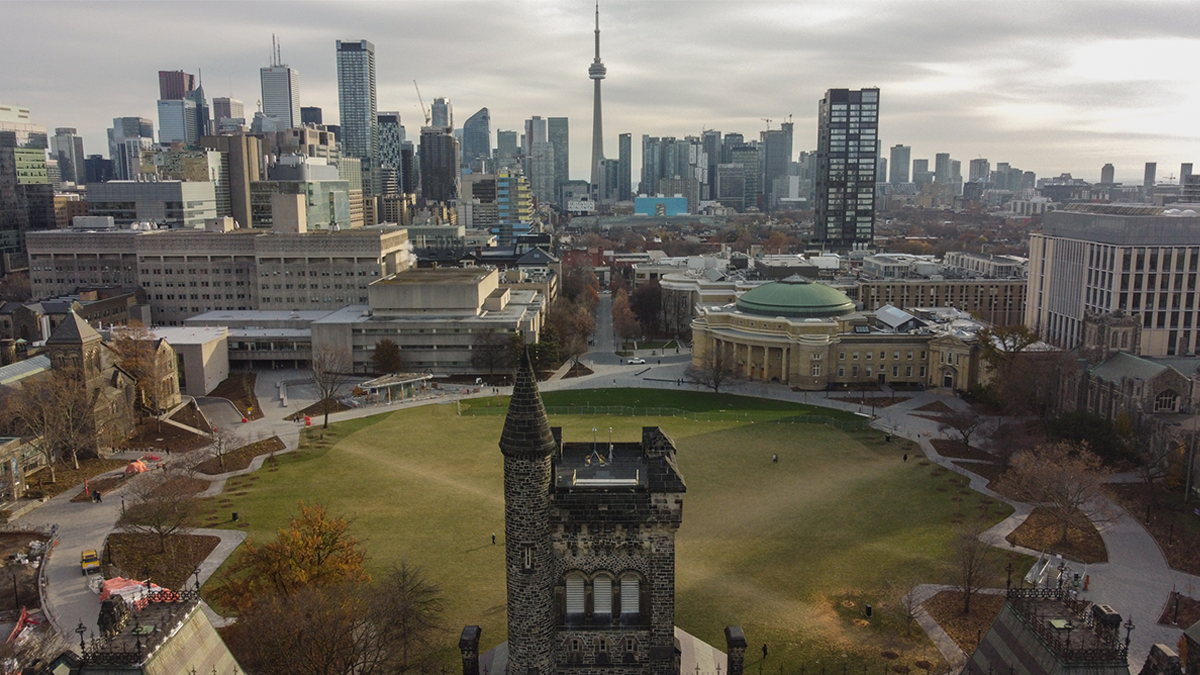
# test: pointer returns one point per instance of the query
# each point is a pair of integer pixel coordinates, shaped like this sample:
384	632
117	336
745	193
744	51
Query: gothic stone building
590	549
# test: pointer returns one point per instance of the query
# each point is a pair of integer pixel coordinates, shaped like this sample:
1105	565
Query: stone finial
735	650
468	644
1162	660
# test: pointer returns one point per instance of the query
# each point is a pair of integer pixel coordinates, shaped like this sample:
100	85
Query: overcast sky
1048	86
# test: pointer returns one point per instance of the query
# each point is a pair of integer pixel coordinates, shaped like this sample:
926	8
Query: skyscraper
711	140
442	113
281	94
310	115
941	167
1107	173
126	140
200	113
440	168
357	105
391	139
979	170
1149	178
228	108
174	84
777	153
477	140
901	158
847	127
625	167
177	121
596	72
67	147
1185	173
558	133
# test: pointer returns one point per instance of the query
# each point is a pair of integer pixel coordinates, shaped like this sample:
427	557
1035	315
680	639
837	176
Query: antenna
424	111
272	50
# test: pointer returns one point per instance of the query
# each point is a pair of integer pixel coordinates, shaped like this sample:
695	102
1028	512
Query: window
841	371
1165	401
816	370
602	597
575	597
855	356
869	355
630	599
527	556
841	356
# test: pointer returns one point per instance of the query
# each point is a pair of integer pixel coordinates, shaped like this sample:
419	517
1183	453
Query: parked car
89	562
636	361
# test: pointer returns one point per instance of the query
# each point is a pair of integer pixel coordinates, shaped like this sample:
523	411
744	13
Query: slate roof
537	257
1121	366
73	331
22	369
526	427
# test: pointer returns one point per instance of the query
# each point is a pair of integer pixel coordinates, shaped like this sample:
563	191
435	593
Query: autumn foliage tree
314	550
625	322
57	411
1063	479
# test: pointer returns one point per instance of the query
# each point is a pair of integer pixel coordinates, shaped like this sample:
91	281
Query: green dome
795	297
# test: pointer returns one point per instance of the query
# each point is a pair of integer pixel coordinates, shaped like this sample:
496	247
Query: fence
747	416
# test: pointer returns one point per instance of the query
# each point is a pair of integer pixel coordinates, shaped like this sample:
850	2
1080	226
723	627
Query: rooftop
601	465
438	275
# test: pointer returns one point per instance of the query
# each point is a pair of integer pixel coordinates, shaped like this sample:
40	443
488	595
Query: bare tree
902	601
489	350
408	610
158	506
224	441
975	565
332	370
57	411
717	367
1063	479
963	424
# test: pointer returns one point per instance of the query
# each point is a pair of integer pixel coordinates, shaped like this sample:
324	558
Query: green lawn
683	399
789	551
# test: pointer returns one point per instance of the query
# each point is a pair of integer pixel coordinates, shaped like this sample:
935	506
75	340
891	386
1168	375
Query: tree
975	565
625	323
149	363
575	325
646	303
1065	480
16	287
224	441
718	365
57	411
902	601
489	350
548	355
159	507
332	370
963	424
408	608
386	357
314	550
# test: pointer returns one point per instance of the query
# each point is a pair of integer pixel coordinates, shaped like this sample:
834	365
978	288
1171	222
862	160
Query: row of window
882	355
908	371
602	599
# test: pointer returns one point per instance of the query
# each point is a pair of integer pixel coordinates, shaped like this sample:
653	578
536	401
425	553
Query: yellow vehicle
89	562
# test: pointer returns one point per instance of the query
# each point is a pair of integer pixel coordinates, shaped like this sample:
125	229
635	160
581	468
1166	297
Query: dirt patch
955	450
239	459
23	577
965	629
1041	532
101	485
1172	523
182	485
1181	611
989	472
191	416
140	556
936	407
239	389
877	401
164	438
67	477
318	410
578	370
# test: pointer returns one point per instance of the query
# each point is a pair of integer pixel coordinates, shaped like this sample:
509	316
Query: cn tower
597	72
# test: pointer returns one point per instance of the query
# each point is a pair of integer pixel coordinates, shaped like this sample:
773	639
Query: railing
105	651
750	416
1111	648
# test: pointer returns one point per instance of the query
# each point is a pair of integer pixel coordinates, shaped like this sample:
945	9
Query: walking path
1136	580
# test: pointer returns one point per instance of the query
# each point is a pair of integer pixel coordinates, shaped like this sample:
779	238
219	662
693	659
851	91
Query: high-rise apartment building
540	163
920	172
1149	177
1103	258
281	94
126	140
357	106
777	154
440	168
514	206
477	141
941	167
979	170
1185	172
441	113
747	157
241	165
1107	174
901	160
508	149
625	167
26	194
67	147
711	142
847	131
174	84
558	134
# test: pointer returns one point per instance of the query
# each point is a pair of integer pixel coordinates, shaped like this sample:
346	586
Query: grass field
789	551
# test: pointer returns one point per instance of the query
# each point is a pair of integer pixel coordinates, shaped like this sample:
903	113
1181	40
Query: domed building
811	336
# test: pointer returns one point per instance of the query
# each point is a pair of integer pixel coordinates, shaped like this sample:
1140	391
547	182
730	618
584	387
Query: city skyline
1053	91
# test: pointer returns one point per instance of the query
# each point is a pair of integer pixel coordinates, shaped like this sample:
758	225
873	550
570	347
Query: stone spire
526	428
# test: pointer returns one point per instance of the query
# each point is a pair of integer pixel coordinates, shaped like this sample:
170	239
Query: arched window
1166	401
631	598
630	648
576	597
602	598
604	650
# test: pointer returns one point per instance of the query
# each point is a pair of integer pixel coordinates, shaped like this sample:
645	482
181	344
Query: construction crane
424	111
768	121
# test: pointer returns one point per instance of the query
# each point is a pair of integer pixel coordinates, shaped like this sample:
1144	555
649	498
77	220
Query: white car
636	362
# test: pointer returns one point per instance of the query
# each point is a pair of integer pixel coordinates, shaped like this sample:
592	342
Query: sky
1049	86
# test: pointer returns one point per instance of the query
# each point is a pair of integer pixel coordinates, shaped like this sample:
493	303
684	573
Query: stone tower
75	347
528	446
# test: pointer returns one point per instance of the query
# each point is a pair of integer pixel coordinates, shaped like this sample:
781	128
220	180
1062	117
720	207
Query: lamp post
80	630
593	439
610	446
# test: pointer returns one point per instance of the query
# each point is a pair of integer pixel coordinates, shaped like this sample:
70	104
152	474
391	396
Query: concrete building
1107	174
558	133
624	168
187	272
440	169
1108	258
170	203
847	150
988	266
901	161
311	115
126	140
203	356
241	164
175	84
67	147
226	107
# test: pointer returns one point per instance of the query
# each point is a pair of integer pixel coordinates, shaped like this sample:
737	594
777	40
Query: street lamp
593	439
610	446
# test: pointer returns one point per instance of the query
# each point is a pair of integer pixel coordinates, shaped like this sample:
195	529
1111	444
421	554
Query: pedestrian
493	539
98	500
764	650
906	456
774	459
168	449
614	380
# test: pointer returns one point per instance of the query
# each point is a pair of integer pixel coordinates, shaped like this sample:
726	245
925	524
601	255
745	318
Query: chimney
735	650
468	644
